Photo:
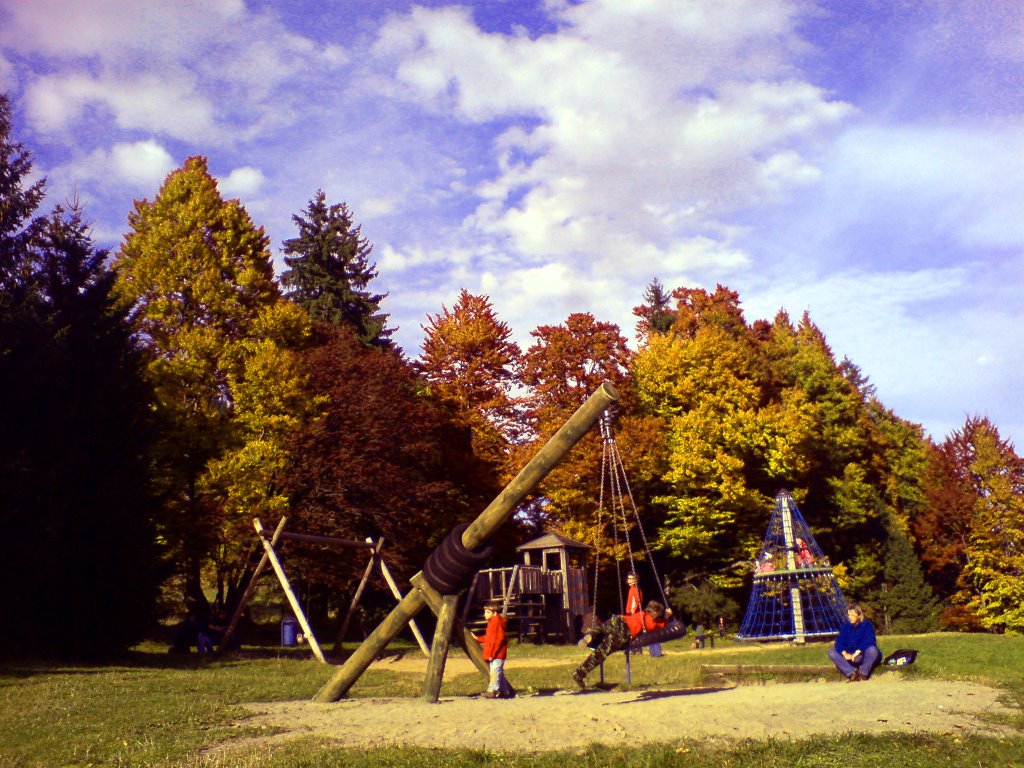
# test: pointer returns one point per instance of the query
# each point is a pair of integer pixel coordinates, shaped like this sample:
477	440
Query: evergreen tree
908	603
330	270
656	314
18	202
993	579
78	575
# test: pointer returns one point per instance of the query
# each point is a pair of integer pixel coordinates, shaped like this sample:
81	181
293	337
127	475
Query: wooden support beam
439	649
486	524
460	634
331	540
398	596
262	566
292	599
374	554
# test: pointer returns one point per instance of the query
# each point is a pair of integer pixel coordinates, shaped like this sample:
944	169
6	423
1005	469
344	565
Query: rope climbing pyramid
795	593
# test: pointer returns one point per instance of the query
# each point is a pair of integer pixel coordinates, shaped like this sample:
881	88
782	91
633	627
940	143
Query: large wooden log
461	635
481	529
398	596
439	649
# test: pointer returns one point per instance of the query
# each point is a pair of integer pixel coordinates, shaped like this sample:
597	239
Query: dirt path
573	720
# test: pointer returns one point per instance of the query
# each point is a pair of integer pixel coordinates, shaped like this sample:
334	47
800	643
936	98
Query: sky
860	160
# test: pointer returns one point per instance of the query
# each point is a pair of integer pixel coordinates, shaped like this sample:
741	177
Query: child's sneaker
579	677
584	642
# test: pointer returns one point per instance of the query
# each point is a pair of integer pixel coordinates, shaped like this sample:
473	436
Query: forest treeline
161	395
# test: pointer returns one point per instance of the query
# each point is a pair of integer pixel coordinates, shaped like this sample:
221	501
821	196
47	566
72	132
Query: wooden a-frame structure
270	557
422	594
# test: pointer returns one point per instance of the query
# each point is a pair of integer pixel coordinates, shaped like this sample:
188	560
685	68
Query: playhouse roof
552	540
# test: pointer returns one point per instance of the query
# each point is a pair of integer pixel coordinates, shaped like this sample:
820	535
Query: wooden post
511	585
398	596
439	649
374	554
262	566
471	596
481	529
288	591
460	634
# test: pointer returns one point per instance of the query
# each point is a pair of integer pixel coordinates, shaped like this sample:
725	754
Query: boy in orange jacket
495	648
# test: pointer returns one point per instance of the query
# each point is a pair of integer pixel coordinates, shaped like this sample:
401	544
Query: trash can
289	632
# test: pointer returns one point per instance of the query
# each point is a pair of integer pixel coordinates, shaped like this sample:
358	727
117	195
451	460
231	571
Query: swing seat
673	630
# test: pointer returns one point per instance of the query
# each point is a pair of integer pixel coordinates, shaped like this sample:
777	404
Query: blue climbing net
795	594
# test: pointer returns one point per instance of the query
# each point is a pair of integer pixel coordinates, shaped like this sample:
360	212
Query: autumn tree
972	532
471	362
751	408
384	459
563	367
329	271
196	276
78	577
730	445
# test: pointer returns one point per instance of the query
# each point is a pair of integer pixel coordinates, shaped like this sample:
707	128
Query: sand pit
535	723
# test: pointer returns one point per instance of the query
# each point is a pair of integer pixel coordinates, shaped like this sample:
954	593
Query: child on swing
616	633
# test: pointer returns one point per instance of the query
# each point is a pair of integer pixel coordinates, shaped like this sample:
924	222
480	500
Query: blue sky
859	159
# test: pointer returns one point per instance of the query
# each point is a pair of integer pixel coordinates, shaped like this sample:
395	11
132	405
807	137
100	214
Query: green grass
153	709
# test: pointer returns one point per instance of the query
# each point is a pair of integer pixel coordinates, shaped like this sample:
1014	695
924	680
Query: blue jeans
867	662
498	683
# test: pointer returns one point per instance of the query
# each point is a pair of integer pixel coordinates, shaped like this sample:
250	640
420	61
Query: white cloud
620	140
142	164
241	182
167	104
195	71
138	166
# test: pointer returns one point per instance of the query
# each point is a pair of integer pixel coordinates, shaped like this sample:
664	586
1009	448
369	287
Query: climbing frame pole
262	566
374	556
486	524
289	593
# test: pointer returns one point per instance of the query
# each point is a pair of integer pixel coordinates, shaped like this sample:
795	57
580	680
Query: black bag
900	658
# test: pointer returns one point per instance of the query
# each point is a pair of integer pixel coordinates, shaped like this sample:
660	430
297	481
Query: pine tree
656	314
18	202
330	270
908	602
993	578
79	574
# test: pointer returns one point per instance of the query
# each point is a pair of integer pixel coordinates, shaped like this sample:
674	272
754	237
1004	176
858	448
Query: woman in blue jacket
856	650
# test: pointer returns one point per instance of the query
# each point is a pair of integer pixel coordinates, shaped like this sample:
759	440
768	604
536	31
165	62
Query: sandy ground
534	723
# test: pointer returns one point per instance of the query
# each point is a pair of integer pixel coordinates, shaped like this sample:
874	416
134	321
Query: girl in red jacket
495	647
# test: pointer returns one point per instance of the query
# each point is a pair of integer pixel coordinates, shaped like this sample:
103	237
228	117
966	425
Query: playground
960	704
549	721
